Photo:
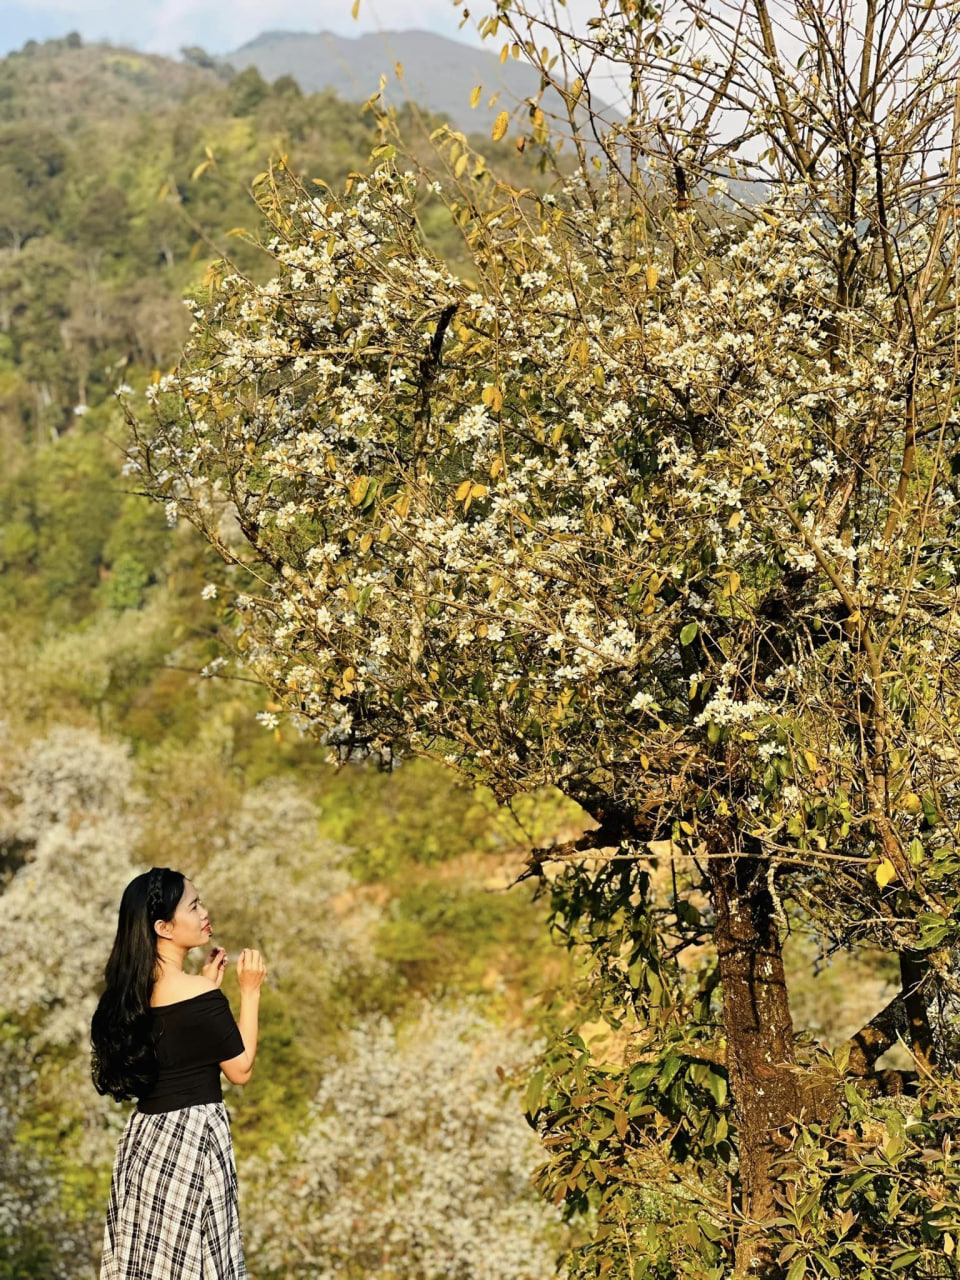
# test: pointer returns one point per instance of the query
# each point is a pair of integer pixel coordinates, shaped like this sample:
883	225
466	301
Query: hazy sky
163	26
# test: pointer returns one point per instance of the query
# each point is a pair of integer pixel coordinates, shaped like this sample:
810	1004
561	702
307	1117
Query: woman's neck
170	958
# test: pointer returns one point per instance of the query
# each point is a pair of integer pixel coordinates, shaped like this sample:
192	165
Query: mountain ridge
438	72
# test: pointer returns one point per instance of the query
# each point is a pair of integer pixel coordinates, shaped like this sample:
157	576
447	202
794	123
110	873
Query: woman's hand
216	965
251	971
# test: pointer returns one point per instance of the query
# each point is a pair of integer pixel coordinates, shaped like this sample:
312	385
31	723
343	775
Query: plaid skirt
173	1209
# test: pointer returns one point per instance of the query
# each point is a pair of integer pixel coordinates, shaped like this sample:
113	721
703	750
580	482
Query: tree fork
756	1010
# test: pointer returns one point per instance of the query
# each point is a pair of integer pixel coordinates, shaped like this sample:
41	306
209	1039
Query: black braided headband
154	894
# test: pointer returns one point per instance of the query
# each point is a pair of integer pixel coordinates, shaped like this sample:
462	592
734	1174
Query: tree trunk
913	969
759	1031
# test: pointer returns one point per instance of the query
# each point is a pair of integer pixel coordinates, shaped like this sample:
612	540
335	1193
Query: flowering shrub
73	811
37	1235
413	1164
274	879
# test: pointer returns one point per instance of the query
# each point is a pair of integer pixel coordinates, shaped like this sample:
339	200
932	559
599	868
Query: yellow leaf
885	872
331	463
201	168
911	803
402	505
358	490
355	11
500	125
496	400
366	542
505	53
384	534
496	466
652	276
735	519
461	164
479	491
810	760
634	269
475	96
261	177
576	89
463	490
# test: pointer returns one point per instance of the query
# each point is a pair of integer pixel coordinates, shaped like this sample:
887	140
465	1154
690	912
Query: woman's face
190	926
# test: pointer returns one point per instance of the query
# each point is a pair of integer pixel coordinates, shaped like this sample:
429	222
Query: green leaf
689	633
904	1259
534	1093
672	1064
655	987
718	1087
798	1269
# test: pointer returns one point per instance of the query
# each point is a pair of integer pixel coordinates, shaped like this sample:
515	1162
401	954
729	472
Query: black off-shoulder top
192	1037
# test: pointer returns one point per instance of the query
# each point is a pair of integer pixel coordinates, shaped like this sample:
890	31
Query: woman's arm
251	972
238	1070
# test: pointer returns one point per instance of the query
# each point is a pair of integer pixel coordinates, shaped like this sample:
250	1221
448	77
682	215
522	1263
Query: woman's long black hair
123	1059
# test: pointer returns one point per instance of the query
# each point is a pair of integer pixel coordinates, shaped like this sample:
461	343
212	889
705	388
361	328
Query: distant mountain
438	73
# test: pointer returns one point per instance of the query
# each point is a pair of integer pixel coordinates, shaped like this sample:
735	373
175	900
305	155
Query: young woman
163	1036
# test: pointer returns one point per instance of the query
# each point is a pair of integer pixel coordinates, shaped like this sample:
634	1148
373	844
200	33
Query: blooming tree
660	510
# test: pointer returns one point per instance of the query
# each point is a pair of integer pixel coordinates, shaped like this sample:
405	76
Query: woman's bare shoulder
181	987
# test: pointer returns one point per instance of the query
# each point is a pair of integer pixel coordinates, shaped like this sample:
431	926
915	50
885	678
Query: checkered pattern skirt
172	1213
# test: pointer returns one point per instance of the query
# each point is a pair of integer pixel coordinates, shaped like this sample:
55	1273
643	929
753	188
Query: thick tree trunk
759	1031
